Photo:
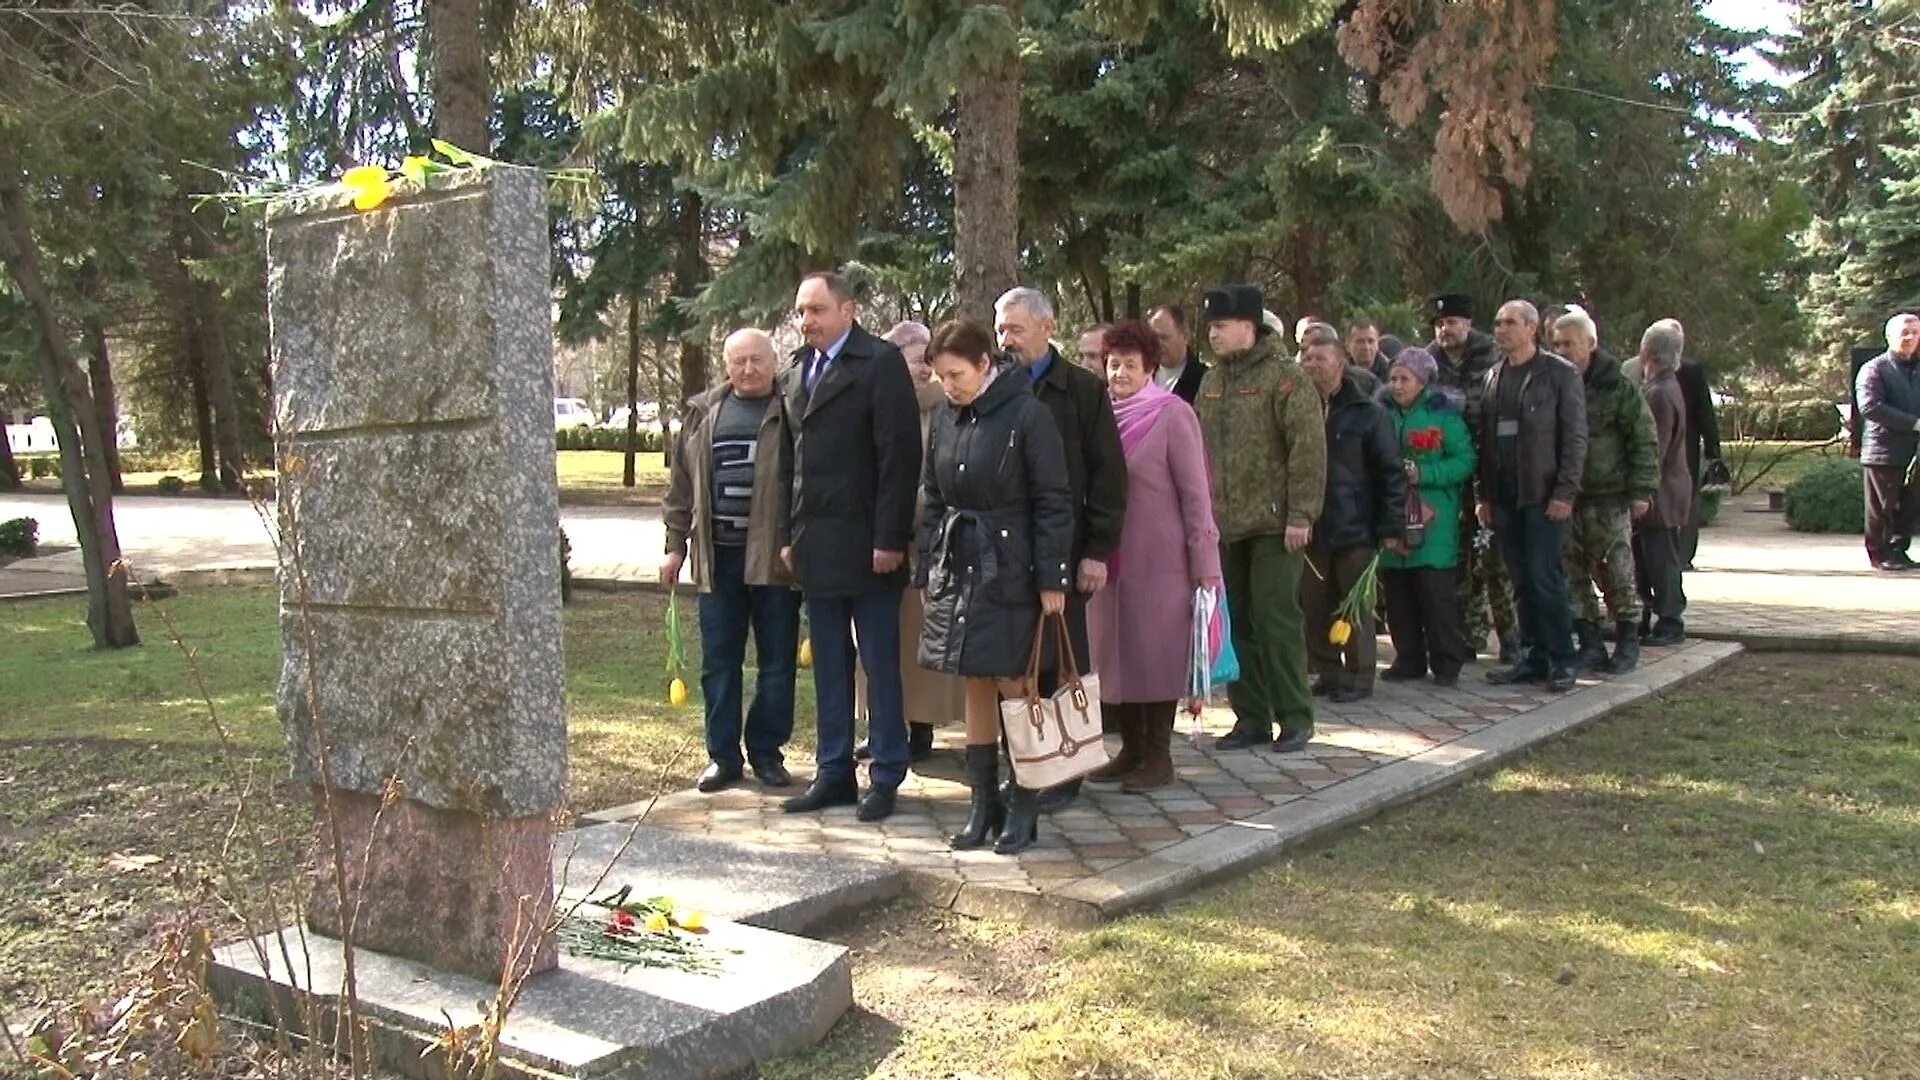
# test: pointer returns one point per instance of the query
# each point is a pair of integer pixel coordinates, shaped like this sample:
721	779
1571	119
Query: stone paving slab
1111	852
771	995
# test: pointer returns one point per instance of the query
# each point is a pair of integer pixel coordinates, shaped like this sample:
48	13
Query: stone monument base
452	889
772	995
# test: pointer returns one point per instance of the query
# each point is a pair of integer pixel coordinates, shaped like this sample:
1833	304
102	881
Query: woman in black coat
995	549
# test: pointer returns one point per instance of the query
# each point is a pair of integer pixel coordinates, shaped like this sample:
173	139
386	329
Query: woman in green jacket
1418	575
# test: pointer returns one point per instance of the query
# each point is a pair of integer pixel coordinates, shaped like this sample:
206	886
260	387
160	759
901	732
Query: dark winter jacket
854	460
998	529
1620	465
1187	386
1888	390
1366	476
1703	427
1553	431
1467	377
1097	470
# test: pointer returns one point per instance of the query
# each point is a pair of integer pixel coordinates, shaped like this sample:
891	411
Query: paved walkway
1114	852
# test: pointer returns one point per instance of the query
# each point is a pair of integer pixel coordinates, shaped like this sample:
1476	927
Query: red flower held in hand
1424	438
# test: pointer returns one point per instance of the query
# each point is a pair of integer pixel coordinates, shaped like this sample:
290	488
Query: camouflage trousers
1600	551
1486	595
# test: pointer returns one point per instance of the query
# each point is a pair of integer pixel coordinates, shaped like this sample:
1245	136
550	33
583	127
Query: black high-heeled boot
1023	822
986	813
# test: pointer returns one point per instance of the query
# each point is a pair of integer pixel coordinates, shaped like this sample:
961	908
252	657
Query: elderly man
1465	355
1180	366
726	503
1617	487
1888	390
1096	469
1533	447
1363	349
855	466
1267	452
1364	508
1656	537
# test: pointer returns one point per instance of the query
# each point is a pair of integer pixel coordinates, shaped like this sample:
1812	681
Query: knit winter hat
1419	363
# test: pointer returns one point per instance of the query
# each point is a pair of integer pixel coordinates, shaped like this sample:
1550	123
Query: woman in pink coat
1141	624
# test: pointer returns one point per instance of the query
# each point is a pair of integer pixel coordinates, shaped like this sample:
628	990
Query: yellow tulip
694	921
370	198
1340	632
806	652
677	692
657	923
368	184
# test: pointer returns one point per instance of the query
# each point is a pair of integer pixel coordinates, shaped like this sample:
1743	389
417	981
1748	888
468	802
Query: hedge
21	536
1828	498
647	440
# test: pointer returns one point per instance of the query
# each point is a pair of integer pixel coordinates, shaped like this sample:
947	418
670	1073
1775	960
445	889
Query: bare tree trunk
211	329
461	87
100	371
83	464
202	414
986	182
9	468
627	476
689	276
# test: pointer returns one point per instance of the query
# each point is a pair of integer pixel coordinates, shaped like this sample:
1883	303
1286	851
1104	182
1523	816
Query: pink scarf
1136	414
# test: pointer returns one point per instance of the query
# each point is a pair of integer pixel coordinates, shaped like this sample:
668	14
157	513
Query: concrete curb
1859	644
1238	846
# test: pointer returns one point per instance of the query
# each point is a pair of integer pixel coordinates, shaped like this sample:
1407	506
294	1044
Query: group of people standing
929	495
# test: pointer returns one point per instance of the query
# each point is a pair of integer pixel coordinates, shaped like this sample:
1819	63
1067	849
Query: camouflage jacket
1266	438
1620	442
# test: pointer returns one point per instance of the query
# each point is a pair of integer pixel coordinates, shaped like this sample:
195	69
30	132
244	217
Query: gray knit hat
1419	362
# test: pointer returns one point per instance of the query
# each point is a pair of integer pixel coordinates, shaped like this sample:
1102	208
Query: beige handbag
1056	739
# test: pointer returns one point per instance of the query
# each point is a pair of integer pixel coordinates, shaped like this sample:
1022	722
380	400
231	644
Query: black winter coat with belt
1366	477
852	466
998	529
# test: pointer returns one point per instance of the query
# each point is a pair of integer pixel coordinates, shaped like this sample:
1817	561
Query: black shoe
822	794
773	774
1324	685
715	777
1592	655
1509	653
1666	633
1446	680
1893	565
1059	797
1241	739
1561	680
863	751
1626	648
986	814
1518	673
1347	695
1022	826
1396	673
877	806
919	742
1292	742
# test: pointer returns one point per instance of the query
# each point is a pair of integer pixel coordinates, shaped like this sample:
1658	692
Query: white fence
37	437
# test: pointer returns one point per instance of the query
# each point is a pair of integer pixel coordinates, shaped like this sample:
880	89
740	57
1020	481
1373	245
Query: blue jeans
772	613
833	621
1534	548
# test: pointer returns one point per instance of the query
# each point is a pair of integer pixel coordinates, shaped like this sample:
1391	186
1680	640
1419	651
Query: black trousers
1658	566
1423	619
1893	509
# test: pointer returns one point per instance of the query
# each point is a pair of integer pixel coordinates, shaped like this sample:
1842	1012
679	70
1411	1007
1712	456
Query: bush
646	441
42	467
170	485
1803	420
1828	498
21	536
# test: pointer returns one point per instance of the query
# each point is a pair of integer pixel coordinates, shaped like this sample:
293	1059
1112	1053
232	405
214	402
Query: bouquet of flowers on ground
647	933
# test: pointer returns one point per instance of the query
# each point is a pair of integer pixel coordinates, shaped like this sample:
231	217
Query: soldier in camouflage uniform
1266	444
1465	355
1618	487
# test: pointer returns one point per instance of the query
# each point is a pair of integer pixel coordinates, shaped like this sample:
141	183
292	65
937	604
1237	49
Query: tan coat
689	503
1673	498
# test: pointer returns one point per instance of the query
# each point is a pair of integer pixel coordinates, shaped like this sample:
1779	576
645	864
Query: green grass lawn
1722	883
108	753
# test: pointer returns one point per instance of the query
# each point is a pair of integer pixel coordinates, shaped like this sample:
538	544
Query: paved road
161	535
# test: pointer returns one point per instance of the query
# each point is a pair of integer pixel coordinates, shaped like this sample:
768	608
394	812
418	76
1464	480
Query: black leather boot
1022	827
985	814
919	741
1592	655
1626	648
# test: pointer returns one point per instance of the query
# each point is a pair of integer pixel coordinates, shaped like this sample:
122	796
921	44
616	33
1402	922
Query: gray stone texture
411	350
772	995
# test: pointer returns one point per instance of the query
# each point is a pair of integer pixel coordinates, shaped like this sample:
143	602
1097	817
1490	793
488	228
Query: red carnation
1424	439
621	922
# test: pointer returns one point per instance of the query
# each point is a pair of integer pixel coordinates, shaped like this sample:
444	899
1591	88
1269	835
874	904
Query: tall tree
461	85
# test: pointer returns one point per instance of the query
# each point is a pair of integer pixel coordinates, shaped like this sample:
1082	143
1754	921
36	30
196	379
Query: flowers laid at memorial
648	933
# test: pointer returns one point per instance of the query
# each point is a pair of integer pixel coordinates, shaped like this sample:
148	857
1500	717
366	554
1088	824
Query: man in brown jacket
726	504
1656	536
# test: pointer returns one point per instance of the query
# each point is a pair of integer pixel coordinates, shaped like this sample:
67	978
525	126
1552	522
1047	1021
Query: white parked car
649	418
571	412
